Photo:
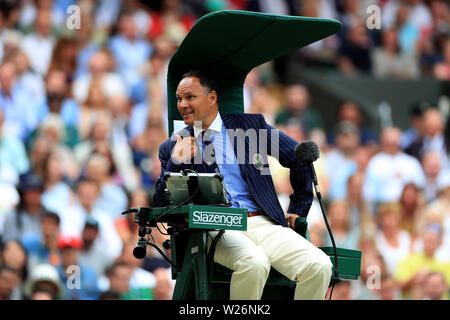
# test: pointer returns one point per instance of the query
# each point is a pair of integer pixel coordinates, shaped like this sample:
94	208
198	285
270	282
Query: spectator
64	57
120	151
389	170
420	15
173	21
125	225
29	79
298	107
265	103
412	202
349	111
112	198
57	102
105	13
14	256
435	287
390	62
416	126
9	280
117	280
388	288
9	199
75	216
164	287
17	105
101	76
441	70
95	106
44	276
339	216
39	45
434	215
340	160
42	293
141	282
86	44
412	270
80	280
13	155
42	247
354	52
92	254
360	216
130	51
10	45
149	96
99	136
371	263
57	194
431	164
52	128
323	51
408	32
393	243
433	137
145	151
27	216
342	291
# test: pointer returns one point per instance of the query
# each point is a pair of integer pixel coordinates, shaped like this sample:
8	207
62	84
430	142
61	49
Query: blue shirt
236	187
19	111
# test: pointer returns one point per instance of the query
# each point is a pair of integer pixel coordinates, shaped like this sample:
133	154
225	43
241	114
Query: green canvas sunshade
228	44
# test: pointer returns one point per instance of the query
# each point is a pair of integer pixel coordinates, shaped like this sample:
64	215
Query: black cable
166	234
162	253
162	224
336	274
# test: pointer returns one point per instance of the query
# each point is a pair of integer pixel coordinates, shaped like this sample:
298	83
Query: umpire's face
196	103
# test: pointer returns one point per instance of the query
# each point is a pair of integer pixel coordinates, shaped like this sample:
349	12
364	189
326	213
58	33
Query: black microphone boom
307	152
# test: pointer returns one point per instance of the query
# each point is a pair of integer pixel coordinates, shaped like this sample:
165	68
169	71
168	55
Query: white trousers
250	254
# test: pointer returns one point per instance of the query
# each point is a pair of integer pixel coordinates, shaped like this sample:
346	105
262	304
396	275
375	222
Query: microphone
307	152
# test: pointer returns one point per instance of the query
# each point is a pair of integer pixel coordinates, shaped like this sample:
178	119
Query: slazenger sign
210	219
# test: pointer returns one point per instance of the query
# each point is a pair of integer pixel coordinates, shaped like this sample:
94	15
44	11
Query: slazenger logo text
228	219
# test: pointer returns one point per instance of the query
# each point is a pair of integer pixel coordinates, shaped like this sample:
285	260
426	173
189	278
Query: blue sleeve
300	176
167	165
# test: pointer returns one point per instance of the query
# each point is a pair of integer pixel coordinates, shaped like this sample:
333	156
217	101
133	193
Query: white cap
43	272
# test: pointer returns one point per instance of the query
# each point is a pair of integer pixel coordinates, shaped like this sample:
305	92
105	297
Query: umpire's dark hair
205	79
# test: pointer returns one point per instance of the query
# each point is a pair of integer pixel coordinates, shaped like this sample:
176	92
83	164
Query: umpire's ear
212	97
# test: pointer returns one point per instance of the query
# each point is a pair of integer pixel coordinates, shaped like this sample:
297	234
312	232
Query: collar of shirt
216	126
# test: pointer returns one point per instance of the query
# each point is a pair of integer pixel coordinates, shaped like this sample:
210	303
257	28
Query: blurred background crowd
83	112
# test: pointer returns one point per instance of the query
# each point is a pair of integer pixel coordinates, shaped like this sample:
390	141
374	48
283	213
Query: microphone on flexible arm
307	152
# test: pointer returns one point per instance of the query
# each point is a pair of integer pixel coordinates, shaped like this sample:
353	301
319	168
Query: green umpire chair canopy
229	44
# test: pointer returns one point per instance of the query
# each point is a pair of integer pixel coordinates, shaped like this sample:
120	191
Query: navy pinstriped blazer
261	186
